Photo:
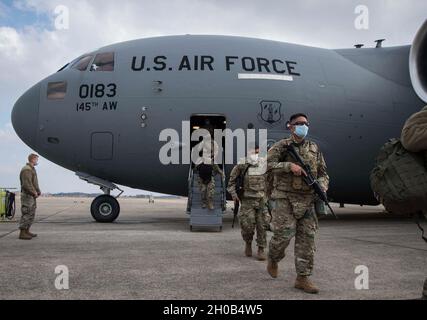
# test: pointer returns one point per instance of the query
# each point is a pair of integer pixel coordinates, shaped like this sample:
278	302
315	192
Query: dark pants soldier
30	191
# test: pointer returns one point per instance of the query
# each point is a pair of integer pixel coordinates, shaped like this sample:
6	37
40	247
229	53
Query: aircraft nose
25	115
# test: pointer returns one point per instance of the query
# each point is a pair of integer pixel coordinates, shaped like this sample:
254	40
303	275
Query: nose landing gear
104	208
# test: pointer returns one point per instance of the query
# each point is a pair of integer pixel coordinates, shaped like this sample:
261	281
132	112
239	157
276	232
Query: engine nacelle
418	62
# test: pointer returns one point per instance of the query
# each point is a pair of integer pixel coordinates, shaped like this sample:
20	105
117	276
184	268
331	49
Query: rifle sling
243	175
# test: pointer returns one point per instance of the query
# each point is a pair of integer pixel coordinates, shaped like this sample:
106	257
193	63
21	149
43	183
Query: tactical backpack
10	205
399	179
205	172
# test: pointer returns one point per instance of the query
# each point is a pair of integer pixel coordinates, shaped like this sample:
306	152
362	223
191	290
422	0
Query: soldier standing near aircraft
399	176
30	191
207	168
292	201
206	181
252	212
414	139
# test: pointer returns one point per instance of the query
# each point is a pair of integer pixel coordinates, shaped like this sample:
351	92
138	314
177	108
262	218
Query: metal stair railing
223	186
190	182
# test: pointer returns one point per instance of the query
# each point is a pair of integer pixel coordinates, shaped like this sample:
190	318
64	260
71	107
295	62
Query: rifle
240	191
309	179
235	211
270	209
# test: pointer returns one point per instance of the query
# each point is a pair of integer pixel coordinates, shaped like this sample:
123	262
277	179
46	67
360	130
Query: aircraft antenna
379	43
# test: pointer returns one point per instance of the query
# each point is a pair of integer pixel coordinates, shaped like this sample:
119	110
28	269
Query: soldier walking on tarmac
292	201
252	214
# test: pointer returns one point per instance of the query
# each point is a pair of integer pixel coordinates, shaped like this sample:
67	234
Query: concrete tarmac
150	253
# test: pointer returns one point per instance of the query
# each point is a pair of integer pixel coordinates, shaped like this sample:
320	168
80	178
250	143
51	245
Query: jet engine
418	62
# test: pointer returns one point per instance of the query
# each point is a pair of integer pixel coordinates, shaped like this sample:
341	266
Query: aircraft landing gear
104	208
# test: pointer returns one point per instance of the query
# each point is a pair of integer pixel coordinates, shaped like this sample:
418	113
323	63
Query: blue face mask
301	131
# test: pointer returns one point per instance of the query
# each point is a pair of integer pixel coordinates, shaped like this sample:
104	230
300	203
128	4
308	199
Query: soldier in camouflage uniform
292	202
252	214
30	191
207	187
205	166
414	139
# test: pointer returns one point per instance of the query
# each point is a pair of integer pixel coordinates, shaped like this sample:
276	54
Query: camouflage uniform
414	139
292	203
252	214
209	148
29	187
414	132
207	190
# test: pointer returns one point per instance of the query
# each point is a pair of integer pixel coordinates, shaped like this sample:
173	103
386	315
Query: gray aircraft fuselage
356	100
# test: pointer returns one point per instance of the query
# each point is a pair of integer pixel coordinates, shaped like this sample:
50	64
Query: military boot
248	249
31	234
272	268
24	235
210	205
261	254
304	283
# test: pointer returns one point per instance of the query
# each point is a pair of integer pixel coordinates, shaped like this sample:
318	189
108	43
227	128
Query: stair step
203	216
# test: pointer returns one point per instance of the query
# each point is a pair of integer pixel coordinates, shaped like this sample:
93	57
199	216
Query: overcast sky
32	48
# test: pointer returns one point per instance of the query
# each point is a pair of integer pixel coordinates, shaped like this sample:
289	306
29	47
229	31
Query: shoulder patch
313	146
284	142
242	161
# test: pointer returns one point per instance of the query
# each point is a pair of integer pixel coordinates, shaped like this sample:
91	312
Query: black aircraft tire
105	208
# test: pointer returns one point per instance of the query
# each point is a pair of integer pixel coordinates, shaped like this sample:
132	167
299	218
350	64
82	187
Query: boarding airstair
204	217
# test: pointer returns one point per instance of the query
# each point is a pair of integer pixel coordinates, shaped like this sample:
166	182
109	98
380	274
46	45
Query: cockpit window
103	62
82	63
56	90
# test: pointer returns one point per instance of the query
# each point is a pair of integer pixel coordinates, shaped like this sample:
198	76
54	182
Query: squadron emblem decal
270	113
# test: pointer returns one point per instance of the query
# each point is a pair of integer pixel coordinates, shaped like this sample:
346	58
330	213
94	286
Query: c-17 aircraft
101	115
